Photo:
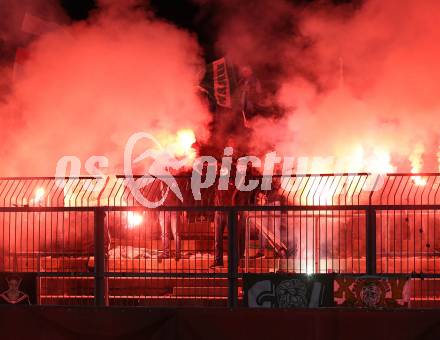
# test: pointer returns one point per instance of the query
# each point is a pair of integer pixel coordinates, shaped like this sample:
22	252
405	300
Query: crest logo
162	161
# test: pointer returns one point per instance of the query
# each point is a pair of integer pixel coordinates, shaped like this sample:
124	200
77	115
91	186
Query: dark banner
372	292
219	84
18	289
222	87
288	291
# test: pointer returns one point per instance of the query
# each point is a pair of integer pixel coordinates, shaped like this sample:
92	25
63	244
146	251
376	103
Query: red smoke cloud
88	86
359	82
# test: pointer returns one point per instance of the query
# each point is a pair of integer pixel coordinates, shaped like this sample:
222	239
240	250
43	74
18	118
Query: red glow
134	219
39	194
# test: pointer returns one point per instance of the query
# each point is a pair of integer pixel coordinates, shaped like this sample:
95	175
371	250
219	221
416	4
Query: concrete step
125	286
45	264
207	292
150	301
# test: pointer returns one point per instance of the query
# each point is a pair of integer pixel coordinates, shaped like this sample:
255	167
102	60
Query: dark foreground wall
90	323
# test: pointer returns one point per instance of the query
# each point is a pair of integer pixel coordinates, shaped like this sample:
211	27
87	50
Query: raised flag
35	26
222	86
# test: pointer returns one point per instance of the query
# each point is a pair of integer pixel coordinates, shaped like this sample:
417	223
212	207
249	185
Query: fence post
371	241
232	258
99	247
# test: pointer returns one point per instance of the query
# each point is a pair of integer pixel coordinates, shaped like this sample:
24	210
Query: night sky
186	14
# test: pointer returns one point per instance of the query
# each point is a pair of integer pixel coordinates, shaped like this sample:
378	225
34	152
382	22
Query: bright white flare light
185	139
418	180
134	219
39	194
416	159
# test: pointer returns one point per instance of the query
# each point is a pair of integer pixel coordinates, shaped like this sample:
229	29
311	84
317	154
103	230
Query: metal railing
90	242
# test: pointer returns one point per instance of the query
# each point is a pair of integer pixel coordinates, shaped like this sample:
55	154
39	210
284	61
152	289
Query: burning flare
182	146
438	158
134	219
417	163
39	194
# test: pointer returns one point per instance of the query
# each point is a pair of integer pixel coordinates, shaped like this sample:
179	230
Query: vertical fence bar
371	241
99	246
232	258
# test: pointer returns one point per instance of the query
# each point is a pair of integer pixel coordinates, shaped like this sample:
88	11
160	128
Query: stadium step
206	292
126	285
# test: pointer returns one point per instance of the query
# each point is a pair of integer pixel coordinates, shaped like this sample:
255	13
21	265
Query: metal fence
90	241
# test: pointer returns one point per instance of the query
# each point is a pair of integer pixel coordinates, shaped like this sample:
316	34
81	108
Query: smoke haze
86	87
358	81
